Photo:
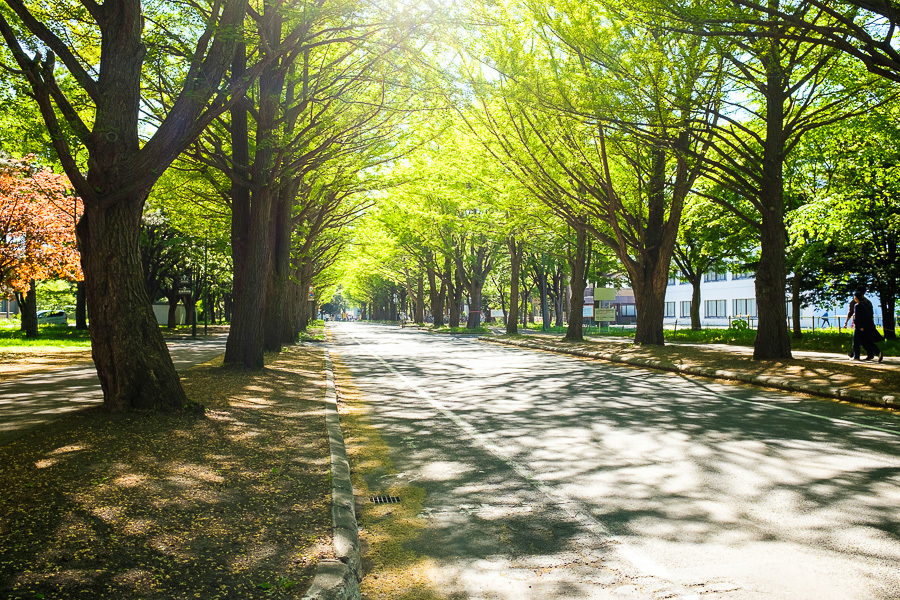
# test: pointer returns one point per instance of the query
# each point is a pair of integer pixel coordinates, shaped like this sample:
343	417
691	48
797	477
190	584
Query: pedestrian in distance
825	322
865	333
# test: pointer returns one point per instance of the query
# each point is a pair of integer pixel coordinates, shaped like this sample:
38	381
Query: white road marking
574	509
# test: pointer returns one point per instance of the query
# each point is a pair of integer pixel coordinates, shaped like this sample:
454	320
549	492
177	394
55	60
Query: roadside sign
312	293
185	285
587	311
604	314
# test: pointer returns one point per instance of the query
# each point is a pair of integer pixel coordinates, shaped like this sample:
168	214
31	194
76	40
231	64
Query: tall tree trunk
475	292
172	316
516	251
795	307
887	314
578	266
454	292
650	273
420	299
28	310
279	329
252	259
80	306
696	325
228	307
435	293
133	363
190	310
650	305
559	296
250	243
307	308
772	339
545	309
886	288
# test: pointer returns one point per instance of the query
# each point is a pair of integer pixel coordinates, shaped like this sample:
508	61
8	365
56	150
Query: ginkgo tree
38	212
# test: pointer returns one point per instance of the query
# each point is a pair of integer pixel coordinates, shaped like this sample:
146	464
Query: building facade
725	296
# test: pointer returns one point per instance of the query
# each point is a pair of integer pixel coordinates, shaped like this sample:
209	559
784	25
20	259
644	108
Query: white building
727	296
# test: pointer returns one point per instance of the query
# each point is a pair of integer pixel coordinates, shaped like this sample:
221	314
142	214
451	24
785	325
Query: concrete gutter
338	579
780	383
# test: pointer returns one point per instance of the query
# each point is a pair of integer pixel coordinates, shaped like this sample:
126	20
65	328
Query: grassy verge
231	504
392	570
447	329
50	338
827	340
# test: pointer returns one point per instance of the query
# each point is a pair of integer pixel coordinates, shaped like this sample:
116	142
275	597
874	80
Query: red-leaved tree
38	212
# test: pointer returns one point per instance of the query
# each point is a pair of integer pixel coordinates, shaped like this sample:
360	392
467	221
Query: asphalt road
552	477
35	400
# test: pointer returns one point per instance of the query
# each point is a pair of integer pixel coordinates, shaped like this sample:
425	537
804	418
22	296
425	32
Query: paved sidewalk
818	373
38	399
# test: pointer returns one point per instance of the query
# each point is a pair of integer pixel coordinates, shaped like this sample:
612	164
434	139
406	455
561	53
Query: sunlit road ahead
553	477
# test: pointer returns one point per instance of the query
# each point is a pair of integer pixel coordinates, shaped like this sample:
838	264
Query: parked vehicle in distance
52	317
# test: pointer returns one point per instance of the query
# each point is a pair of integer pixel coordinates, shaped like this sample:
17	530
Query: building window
743	275
670	309
672	280
715	309
628	310
714	276
685	308
745	307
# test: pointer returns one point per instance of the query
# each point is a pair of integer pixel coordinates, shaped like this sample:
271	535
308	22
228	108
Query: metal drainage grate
384	500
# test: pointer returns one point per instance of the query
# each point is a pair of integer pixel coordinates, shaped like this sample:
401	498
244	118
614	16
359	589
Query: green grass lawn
446	329
826	340
49	336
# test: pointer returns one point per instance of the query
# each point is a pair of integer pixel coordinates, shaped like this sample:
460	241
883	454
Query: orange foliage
38	211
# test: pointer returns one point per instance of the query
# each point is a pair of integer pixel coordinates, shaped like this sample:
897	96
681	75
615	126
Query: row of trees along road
593	120
125	88
671	133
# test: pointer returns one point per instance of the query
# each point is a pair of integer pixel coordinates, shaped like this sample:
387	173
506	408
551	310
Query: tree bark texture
420	298
559	296
28	311
80	306
696	325
133	363
435	293
887	311
250	241
772	339
454	291
279	329
516	252
578	265
795	307
172	313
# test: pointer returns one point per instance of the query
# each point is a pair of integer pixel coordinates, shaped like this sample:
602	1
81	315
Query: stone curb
338	579
781	383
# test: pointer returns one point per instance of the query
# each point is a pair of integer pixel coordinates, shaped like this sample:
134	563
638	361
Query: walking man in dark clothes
864	332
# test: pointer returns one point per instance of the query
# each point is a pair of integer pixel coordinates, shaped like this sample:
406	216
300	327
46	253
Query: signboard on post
312	293
605	314
185	285
587	311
